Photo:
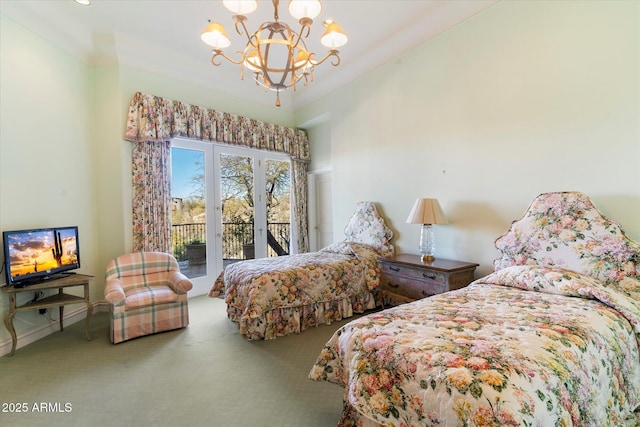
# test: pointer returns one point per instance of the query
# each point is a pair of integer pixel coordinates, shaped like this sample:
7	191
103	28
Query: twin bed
272	297
551	338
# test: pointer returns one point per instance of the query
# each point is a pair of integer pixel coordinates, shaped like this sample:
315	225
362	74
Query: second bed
272	297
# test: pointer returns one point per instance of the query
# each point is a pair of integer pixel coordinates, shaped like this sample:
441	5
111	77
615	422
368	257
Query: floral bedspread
271	297
524	346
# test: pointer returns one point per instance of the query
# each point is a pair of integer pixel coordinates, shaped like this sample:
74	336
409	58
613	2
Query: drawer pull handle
392	268
393	285
429	276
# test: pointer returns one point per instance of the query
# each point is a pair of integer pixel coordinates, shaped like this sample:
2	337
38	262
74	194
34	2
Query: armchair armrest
179	282
113	291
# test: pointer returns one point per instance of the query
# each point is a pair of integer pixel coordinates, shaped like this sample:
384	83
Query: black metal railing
237	240
183	234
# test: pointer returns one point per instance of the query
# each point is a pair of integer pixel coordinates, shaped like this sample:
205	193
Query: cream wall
320	149
63	159
46	150
524	98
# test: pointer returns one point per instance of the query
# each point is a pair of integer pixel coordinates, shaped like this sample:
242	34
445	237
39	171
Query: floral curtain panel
299	184
153	119
151	196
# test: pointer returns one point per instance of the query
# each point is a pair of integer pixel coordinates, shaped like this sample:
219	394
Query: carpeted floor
206	374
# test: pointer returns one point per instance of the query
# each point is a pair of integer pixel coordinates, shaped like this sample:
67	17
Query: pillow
556	280
552	280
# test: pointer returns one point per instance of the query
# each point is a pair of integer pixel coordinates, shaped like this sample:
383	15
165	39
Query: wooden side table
57	300
406	278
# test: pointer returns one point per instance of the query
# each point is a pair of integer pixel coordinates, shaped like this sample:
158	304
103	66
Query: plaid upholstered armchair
146	294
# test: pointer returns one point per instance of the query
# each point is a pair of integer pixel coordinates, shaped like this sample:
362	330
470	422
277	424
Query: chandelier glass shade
275	54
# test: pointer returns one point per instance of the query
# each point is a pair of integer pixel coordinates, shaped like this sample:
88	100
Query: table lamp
426	212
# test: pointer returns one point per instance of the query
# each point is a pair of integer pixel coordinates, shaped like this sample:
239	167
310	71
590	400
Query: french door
229	204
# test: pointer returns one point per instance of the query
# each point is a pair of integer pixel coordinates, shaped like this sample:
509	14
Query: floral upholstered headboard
564	229
368	227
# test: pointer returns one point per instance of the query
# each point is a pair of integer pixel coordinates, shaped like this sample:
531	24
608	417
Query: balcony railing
237	239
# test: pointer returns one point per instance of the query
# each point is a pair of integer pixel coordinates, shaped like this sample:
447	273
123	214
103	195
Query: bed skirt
288	320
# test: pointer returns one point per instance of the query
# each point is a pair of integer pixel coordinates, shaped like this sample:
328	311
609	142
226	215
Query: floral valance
152	118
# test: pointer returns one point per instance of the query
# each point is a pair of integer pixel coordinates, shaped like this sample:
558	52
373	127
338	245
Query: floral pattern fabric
151	204
278	296
271	297
550	338
154	120
565	229
492	355
366	226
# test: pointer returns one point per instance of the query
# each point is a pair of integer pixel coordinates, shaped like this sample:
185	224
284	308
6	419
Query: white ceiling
163	37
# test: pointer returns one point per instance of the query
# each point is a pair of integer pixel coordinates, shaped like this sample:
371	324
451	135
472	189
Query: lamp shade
241	7
304	8
333	36
427	211
302	59
216	36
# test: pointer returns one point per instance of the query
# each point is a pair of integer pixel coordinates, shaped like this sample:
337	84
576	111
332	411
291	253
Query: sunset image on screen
40	251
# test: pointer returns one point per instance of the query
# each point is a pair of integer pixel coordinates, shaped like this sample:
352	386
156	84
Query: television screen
36	255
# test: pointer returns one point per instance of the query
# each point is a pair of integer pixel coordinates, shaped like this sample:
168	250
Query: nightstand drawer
412	288
414	273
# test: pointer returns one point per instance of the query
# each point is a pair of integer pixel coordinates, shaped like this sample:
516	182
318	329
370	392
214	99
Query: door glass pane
278	200
188	214
238	212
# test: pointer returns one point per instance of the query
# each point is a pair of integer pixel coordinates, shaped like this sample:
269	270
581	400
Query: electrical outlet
42	310
37	295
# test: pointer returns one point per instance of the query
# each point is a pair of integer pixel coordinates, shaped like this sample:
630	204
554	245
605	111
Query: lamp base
426	243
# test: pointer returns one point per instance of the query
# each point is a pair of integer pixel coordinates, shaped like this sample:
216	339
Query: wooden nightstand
406	278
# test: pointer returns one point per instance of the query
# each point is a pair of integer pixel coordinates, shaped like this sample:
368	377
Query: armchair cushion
145	296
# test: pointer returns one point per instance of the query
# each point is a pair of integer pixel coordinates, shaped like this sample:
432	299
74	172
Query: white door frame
202	284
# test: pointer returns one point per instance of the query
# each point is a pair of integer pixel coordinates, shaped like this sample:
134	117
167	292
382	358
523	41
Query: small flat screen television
32	256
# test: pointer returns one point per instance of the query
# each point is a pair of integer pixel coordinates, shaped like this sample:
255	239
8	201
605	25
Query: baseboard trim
41	331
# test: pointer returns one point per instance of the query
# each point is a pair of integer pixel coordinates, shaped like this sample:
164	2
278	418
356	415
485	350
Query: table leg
61	311
8	322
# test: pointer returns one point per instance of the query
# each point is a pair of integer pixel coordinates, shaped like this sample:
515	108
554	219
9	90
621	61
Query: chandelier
276	55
